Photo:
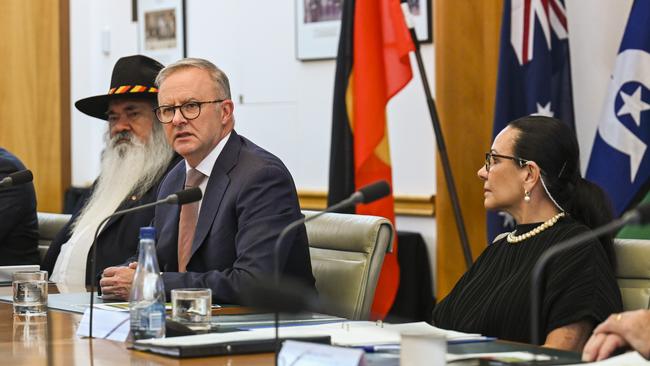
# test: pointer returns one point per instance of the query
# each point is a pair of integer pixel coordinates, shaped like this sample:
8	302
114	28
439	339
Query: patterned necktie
187	222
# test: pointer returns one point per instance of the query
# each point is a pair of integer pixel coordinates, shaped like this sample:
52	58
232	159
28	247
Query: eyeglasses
189	110
489	160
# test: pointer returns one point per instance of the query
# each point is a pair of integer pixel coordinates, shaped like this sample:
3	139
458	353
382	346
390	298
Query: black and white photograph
318	24
160	29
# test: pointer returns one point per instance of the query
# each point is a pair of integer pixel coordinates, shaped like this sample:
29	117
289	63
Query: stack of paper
349	333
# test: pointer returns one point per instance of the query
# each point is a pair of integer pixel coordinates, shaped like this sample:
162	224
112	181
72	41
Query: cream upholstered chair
633	272
49	224
347	252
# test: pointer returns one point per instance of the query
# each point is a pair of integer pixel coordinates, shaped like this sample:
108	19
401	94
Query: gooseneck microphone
17	178
637	216
181	197
365	194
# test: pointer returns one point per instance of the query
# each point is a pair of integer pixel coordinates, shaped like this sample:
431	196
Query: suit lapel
177	184
166	218
129	202
216	189
175	175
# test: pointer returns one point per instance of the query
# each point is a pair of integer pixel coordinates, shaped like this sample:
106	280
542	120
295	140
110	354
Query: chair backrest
49	224
347	252
633	272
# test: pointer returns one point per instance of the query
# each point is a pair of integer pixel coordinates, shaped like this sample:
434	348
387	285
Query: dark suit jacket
250	197
18	220
118	241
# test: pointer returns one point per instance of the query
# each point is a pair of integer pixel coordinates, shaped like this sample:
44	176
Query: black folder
223	348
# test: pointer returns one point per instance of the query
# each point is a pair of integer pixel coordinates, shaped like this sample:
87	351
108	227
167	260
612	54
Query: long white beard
127	168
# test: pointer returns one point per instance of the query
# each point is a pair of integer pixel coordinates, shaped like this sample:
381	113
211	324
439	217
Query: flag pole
440	141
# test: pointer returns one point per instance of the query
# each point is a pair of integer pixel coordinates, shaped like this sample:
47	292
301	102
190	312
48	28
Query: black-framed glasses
190	110
489	160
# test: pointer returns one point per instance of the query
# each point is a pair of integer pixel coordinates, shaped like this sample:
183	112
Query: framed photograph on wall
161	29
318	25
422	12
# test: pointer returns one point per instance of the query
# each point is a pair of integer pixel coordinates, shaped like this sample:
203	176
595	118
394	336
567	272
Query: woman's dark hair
553	146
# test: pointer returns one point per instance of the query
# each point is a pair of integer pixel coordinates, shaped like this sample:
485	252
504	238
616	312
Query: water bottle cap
148	232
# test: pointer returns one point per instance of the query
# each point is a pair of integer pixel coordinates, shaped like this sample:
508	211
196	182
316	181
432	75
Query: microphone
17	178
365	194
181	197
638	216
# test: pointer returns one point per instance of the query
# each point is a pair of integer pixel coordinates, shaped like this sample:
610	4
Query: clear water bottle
147	299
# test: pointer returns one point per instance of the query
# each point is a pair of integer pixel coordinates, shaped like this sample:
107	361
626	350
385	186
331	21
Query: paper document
303	353
351	333
626	359
106	324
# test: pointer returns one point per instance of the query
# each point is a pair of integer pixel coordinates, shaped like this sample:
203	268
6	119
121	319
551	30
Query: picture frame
161	29
318	25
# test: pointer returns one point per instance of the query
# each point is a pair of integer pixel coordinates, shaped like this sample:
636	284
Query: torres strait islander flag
620	161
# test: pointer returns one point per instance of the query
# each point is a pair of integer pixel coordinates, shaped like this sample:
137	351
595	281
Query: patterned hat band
133	89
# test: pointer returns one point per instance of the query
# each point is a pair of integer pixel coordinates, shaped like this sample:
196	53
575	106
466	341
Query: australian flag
619	160
534	72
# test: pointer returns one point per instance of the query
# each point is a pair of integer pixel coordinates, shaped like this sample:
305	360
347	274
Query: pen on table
471	340
379	348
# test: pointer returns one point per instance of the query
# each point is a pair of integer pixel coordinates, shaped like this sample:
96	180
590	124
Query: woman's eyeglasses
489	160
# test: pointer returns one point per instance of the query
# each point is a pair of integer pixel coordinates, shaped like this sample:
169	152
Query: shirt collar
206	165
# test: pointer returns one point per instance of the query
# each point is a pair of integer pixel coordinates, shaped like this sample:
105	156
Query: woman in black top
533	173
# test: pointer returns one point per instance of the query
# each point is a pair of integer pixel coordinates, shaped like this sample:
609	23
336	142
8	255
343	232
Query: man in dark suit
18	221
134	161
227	239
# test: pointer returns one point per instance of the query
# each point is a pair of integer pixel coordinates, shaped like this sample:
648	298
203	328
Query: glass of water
192	307
30	292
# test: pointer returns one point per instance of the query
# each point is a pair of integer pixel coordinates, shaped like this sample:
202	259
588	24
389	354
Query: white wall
282	104
286	104
90	69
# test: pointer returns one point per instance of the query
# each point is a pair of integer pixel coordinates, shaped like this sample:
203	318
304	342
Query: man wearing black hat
134	161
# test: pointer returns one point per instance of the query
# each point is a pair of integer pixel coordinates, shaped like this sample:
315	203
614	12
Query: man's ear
227	108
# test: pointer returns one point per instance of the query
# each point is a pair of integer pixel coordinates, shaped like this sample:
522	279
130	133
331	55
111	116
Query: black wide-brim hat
133	77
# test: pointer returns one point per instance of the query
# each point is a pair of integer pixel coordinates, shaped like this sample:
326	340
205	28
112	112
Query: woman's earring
526	196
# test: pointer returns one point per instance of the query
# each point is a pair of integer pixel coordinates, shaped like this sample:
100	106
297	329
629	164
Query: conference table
52	340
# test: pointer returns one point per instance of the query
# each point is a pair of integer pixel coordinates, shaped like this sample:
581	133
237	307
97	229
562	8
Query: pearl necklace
512	238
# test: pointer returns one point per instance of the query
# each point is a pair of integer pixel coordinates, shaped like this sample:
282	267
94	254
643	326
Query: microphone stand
366	194
354	199
180	198
93	261
540	265
440	142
